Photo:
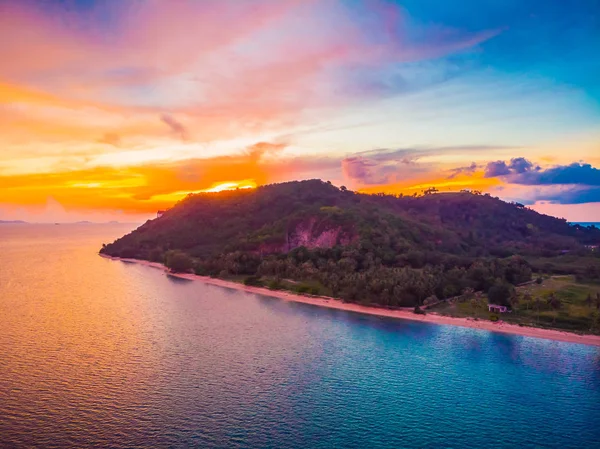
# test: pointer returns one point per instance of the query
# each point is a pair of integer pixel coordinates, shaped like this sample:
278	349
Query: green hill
379	249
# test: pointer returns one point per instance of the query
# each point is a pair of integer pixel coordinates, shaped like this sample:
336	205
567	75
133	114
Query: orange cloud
145	188
89	105
476	181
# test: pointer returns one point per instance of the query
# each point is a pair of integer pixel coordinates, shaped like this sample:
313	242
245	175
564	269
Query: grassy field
565	264
532	306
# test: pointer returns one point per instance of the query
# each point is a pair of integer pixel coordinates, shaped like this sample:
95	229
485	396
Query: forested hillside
381	249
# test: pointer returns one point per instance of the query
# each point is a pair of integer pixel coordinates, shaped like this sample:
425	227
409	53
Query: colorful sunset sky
114	109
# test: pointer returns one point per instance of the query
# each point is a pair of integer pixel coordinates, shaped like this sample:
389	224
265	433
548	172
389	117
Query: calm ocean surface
587	223
97	353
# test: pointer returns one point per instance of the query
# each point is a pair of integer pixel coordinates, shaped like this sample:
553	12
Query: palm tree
468	293
527	299
555	303
538	303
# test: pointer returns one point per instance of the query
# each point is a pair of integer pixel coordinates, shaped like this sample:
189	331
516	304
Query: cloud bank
574	183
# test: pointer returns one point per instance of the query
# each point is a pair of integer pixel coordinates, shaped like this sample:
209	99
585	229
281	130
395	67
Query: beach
430	317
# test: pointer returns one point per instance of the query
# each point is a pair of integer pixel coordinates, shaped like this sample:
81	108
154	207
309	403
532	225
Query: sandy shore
500	326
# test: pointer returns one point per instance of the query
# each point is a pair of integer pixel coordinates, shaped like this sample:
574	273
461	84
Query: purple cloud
575	173
176	127
517	165
521	165
575	183
469	170
523	171
496	168
574	196
382	166
560	194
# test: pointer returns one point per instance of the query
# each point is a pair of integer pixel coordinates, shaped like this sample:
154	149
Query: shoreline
500	326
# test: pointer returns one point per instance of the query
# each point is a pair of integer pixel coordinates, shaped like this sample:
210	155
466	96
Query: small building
160	213
498	309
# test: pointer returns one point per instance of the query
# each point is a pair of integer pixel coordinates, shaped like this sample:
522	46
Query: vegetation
178	262
560	302
501	294
385	250
254	281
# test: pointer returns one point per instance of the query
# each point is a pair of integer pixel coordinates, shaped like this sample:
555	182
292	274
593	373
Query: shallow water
100	353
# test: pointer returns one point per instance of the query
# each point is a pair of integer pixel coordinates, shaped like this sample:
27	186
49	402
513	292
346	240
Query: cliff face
311	234
314	214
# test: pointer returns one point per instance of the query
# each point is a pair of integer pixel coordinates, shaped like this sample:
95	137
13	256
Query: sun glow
230	185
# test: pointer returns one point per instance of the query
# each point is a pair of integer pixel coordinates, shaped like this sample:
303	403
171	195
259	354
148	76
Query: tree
555	303
500	294
156	255
538	305
474	303
527	299
588	300
591	272
595	320
178	262
254	281
467	294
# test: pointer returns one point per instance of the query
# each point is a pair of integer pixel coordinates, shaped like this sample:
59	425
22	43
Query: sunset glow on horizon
234	185
114	110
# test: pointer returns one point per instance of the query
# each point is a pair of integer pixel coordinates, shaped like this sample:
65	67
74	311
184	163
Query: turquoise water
587	223
97	353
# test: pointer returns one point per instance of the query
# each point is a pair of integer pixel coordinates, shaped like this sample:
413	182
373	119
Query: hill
374	249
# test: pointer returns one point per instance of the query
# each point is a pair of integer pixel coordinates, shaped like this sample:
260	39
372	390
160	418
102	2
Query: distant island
461	254
84	222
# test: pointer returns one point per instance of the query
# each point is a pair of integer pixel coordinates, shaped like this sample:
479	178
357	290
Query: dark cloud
176	127
469	170
580	196
517	165
572	195
522	171
576	173
521	165
496	168
575	183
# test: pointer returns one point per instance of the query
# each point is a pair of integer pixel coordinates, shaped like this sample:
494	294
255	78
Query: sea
587	223
96	353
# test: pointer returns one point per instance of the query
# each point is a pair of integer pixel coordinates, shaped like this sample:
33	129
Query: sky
112	110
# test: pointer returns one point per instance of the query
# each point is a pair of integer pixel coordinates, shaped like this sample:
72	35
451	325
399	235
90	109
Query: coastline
502	327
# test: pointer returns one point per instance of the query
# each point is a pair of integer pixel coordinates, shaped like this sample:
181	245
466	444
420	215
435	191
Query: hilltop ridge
392	251
280	217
